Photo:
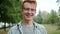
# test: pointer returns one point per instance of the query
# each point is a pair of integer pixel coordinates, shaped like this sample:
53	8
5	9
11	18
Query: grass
51	29
4	32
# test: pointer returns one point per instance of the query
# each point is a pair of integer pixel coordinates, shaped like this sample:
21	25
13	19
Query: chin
28	19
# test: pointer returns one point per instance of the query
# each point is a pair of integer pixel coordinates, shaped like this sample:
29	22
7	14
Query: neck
27	22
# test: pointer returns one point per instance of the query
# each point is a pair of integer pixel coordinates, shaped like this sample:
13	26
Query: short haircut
29	1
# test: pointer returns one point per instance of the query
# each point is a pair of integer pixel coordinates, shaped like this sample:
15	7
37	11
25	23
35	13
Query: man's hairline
30	3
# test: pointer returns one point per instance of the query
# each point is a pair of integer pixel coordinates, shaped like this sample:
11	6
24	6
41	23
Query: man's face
28	11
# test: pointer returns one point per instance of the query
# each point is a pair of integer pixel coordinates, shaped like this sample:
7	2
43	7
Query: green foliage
47	18
10	11
50	18
59	11
38	18
54	17
58	1
52	29
59	18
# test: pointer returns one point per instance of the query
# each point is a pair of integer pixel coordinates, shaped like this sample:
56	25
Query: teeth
29	15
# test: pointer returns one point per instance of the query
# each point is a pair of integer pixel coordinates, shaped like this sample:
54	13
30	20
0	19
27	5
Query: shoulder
41	28
39	25
13	28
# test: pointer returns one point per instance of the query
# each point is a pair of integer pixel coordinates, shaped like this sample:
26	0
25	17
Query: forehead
29	5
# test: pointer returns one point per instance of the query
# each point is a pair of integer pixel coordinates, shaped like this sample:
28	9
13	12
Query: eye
33	9
26	9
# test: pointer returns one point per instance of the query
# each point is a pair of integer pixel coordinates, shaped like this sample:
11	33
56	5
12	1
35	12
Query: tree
59	11
14	11
58	1
10	11
53	17
38	18
59	18
45	16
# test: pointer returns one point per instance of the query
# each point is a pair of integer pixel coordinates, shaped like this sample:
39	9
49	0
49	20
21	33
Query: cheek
33	14
23	12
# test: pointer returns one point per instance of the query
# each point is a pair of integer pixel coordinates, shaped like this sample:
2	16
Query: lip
28	15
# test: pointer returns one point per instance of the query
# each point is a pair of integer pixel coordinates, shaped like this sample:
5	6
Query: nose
29	11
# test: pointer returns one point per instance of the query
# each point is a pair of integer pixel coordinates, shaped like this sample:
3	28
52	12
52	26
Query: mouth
29	15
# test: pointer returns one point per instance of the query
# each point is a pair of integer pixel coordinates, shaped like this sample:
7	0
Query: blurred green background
10	13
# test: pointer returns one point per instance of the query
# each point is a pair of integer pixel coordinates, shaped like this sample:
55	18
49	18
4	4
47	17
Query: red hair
29	1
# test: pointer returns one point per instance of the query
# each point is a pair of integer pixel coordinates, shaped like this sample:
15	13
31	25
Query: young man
27	25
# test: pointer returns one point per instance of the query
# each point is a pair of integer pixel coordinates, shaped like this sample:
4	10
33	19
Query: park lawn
4	32
51	29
